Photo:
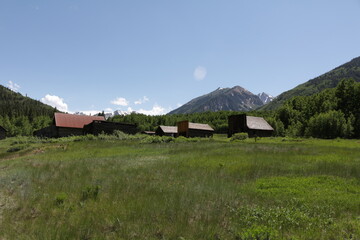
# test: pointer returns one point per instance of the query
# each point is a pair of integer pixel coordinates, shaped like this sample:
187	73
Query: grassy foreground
211	189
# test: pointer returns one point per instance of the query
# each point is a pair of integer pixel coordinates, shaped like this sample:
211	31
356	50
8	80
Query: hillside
14	104
316	85
222	99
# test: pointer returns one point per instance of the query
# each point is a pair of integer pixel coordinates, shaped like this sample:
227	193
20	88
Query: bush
121	135
157	139
90	192
15	149
239	136
60	199
258	233
331	124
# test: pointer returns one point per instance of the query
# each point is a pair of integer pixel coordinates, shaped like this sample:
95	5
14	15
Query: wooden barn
170	131
188	129
2	133
97	127
254	126
65	125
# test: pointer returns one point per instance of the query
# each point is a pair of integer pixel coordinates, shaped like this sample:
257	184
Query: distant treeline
331	113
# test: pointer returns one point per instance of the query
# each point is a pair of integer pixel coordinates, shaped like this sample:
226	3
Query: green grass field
104	188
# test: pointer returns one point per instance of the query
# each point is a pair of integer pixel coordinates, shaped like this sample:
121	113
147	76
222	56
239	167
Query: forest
21	115
332	113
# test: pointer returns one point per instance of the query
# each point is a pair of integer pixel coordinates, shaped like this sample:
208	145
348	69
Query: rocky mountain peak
265	98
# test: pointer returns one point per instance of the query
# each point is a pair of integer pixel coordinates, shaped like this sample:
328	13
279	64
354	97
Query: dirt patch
30	152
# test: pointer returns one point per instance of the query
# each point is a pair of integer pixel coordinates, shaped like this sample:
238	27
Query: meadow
160	188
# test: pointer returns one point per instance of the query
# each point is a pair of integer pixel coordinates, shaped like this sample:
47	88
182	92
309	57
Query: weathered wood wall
2	133
98	127
183	128
48	132
237	124
66	132
199	133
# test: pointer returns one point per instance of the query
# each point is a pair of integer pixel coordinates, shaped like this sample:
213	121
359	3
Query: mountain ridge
329	79
14	104
222	99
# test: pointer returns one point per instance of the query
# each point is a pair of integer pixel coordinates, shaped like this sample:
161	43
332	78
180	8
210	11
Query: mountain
316	85
222	99
265	98
13	104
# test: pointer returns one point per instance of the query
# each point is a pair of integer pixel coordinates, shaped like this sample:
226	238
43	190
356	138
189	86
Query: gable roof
258	123
200	126
74	121
169	129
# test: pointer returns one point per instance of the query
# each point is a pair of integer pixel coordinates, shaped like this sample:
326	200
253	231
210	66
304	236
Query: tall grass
103	188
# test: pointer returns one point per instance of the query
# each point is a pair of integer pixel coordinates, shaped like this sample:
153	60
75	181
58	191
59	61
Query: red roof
74	121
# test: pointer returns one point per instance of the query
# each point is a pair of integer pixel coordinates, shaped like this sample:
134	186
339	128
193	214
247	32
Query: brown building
97	127
65	125
254	126
170	131
188	129
2	133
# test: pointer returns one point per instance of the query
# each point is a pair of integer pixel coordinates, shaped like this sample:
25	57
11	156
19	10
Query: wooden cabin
150	133
188	129
170	131
97	127
65	125
254	126
3	132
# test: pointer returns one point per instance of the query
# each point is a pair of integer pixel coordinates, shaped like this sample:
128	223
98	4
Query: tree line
331	113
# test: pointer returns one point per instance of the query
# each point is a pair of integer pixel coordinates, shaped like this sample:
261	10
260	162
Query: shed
150	133
3	132
96	127
67	125
254	126
170	131
189	129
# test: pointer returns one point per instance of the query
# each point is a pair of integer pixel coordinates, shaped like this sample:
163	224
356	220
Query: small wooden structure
150	133
188	129
3	132
254	126
97	127
65	125
170	131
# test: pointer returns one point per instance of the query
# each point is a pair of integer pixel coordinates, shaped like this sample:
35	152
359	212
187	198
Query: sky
153	56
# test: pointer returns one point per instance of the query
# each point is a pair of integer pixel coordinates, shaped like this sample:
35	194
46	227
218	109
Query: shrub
89	137
258	233
14	149
121	135
60	198
331	124
239	136
90	192
157	139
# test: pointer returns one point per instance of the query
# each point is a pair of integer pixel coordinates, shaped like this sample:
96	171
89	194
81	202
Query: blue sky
152	56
